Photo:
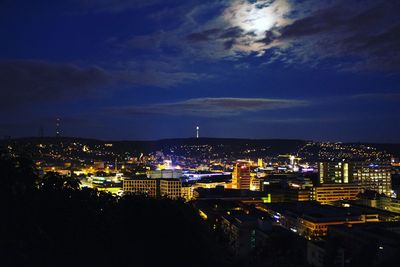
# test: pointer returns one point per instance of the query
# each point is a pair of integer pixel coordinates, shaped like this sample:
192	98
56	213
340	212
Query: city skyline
148	70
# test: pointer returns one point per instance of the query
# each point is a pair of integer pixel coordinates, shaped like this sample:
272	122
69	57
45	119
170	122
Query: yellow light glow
203	215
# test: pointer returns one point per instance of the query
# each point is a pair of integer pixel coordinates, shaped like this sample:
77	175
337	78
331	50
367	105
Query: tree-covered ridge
51	222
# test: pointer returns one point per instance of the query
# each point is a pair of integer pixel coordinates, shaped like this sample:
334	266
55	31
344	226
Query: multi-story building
311	220
244	232
256	184
373	176
241	175
141	186
333	192
288	195
335	172
381	202
165	174
371	244
187	192
170	188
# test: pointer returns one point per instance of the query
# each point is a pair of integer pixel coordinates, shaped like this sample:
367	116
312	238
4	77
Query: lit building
209	184
374	176
325	194
334	172
256	183
170	188
187	192
166	174
140	186
381	202
371	176
260	163
241	175
99	165
312	220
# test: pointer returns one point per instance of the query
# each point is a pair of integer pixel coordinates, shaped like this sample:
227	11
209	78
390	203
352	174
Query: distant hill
193	147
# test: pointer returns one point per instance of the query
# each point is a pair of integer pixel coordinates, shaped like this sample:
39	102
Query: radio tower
58	132
197	131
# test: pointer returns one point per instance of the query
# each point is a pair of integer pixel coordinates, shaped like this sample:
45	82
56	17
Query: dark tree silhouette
49	221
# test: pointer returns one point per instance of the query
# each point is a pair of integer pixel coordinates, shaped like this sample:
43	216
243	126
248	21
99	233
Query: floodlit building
241	175
141	186
170	188
333	192
166	174
187	192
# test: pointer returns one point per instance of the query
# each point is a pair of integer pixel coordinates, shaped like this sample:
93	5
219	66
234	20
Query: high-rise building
260	163
335	172
241	175
372	176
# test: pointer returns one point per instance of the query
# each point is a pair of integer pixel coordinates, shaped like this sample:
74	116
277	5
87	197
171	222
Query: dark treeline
50	222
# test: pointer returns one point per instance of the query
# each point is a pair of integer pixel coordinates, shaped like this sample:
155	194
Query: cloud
24	81
238	30
158	78
388	97
362	35
297	120
162	73
365	35
205	35
114	6
211	107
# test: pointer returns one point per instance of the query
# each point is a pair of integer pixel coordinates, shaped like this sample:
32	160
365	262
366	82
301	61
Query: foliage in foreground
49	222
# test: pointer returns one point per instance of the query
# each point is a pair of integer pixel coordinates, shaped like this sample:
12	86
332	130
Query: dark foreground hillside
59	225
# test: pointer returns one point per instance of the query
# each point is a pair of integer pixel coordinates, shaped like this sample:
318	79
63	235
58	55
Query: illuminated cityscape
260	133
242	200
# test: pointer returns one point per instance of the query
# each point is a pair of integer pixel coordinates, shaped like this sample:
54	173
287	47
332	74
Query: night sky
152	69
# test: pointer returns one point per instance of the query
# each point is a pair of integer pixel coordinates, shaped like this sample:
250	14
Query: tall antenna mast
58	131
197	131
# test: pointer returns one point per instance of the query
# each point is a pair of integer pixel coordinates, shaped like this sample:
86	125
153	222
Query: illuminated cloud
362	35
212	107
239	29
255	18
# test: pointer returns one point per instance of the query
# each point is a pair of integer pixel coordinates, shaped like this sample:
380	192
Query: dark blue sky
151	69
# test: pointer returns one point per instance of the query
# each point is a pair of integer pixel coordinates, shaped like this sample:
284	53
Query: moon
257	17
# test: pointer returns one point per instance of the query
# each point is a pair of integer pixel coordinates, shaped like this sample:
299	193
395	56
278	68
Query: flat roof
316	212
